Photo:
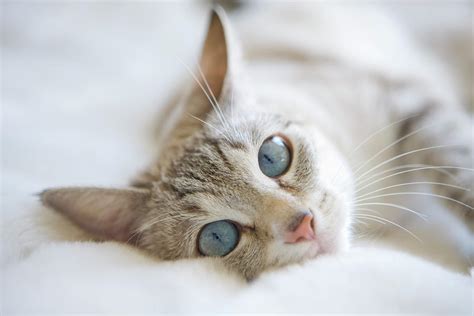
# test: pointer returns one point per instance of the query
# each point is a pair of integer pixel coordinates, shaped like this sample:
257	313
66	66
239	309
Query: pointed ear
213	76
213	79
215	55
106	213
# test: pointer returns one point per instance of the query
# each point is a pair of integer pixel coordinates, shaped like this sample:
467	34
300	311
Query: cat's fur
324	101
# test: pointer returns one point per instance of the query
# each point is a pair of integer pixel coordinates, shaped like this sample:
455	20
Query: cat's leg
438	134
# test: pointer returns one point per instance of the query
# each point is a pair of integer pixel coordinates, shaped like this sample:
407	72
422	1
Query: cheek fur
249	258
333	219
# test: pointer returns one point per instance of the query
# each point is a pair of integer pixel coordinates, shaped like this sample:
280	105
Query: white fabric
108	277
82	84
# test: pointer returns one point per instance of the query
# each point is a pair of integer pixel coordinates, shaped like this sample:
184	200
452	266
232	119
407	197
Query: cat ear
213	81
214	55
106	213
215	66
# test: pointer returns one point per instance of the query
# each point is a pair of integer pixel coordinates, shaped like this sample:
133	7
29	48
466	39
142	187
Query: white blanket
81	87
90	277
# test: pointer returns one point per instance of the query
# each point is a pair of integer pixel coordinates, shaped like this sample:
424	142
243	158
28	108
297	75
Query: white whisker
232	105
365	216
389	146
366	209
367	139
379	131
436	168
205	92
358	221
197	81
218	110
368	216
413	183
417	193
211	126
411	170
403	155
422	216
216	106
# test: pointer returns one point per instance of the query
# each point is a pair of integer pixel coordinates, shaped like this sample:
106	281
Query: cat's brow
194	208
236	145
216	145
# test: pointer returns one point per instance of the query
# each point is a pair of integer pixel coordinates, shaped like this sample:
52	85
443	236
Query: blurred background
445	28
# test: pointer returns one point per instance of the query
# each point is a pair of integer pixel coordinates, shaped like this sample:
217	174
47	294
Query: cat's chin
336	244
313	251
325	244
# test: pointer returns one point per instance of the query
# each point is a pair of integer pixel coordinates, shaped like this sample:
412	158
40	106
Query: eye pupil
268	158
217	239
274	157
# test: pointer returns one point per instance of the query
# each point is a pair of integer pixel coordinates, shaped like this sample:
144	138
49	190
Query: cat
280	141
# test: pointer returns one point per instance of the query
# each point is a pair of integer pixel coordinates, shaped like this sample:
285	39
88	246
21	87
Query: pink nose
304	231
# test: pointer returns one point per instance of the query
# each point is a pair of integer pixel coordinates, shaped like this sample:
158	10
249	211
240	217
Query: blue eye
217	239
274	157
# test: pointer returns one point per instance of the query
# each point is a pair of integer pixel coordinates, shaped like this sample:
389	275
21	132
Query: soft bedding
90	277
82	84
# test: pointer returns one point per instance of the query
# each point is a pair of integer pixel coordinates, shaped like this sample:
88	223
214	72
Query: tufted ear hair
105	213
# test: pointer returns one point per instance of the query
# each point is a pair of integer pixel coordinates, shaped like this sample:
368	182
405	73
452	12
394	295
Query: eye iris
274	157
217	239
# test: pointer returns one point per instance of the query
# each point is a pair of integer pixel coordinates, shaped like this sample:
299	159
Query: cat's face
250	187
219	178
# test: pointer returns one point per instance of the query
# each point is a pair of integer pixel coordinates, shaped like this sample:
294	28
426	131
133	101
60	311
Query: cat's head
248	186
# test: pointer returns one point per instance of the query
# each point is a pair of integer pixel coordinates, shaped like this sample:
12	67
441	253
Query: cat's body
325	99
